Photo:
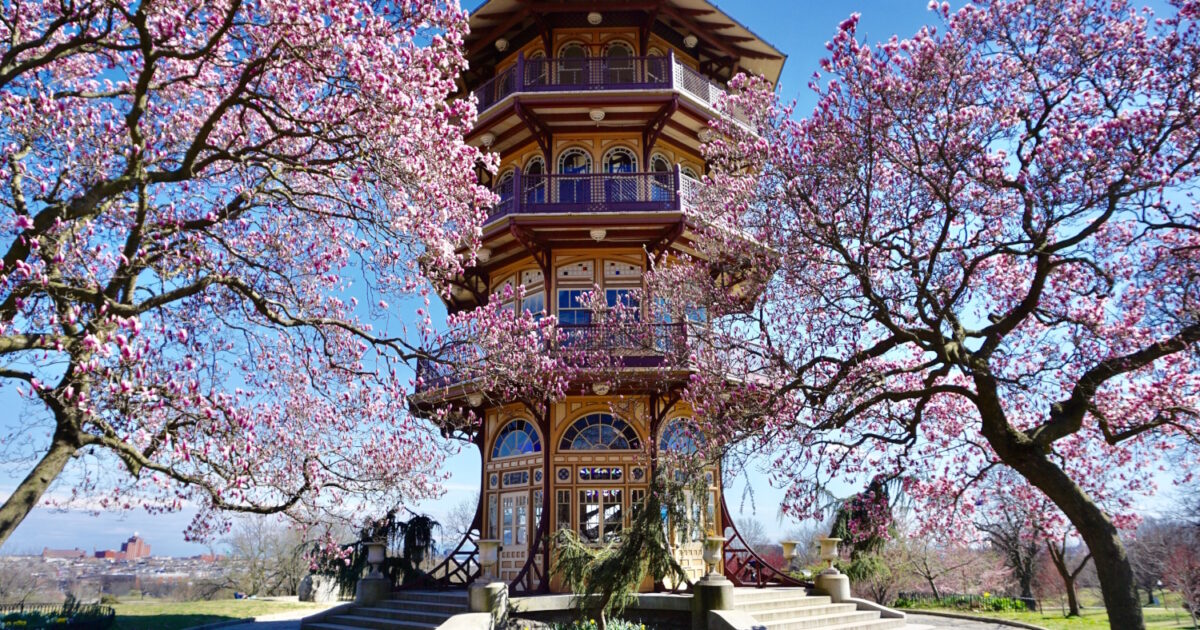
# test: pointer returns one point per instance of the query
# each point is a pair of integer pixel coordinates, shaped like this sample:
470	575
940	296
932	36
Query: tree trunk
1072	598
1026	583
933	587
1018	451
1058	555
30	491
1098	532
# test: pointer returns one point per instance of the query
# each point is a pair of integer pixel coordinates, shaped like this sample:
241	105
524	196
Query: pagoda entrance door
514	533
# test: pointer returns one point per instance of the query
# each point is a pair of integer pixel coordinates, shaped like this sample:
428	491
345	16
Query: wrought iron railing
599	73
457	570
743	566
630	344
669	191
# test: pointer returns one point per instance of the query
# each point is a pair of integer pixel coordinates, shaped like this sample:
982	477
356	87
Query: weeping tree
409	543
864	523
607	579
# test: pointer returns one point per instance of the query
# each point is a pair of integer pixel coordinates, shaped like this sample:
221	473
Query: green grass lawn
153	614
1172	616
1157	618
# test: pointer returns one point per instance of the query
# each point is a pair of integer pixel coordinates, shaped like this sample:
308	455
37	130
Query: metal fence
39	616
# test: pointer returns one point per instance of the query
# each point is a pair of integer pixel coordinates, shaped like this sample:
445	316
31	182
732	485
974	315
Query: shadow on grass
169	622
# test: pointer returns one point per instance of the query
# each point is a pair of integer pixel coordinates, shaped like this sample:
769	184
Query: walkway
941	623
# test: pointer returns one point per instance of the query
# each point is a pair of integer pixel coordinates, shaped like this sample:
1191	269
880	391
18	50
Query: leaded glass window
517	438
681	436
600	432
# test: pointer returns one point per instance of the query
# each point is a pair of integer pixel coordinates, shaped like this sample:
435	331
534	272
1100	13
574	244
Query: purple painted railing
598	73
631	343
669	191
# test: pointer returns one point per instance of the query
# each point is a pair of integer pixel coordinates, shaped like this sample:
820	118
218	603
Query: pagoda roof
722	38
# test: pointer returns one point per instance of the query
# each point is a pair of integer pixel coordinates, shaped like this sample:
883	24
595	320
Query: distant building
63	554
133	549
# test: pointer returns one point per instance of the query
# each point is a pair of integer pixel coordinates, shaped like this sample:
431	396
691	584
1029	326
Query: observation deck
626	346
663	191
591	76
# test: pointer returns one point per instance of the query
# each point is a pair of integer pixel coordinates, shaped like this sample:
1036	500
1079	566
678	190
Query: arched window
517	438
600	432
536	74
661	183
573	65
619	59
681	436
656	66
574	182
689	172
504	189
620	160
621	185
535	181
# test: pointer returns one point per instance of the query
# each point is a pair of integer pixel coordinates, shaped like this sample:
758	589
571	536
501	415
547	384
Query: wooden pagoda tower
597	111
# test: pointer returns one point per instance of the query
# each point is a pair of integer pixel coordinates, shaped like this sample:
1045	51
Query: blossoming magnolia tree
979	251
195	194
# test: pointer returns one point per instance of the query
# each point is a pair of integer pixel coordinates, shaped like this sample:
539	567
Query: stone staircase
409	610
795	609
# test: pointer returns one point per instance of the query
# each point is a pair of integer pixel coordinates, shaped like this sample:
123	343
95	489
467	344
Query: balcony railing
595	192
627	345
599	73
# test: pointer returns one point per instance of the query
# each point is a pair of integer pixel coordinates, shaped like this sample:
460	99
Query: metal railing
630	344
37	616
595	192
578	74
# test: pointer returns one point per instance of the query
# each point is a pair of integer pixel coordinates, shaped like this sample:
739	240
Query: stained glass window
681	436
600	432
516	438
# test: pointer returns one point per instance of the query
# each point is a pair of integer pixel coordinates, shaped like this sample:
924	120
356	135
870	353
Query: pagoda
597	111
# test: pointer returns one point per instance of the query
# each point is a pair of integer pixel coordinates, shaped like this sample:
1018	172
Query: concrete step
419	614
424	597
747	594
823	622
376	623
837	622
443	608
793	612
781	602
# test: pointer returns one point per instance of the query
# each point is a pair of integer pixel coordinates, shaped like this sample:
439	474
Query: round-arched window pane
681	436
600	432
659	164
620	160
517	438
620	63
535	181
574	161
619	49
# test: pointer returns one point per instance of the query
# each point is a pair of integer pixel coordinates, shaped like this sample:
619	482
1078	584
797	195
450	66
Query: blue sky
799	28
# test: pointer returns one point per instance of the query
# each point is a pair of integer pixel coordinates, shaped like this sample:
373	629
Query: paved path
278	621
938	622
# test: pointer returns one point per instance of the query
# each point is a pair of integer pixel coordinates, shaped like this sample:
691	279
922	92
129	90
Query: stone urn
829	552
790	551
376	554
489	559
713	546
